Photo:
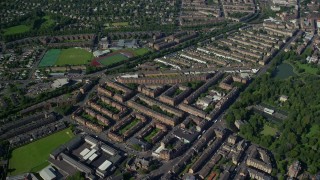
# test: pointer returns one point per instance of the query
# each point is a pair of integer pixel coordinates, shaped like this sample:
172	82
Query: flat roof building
59	83
48	173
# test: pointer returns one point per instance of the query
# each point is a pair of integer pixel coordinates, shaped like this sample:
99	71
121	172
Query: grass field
33	157
128	126
135	52
113	59
50	58
307	68
74	56
118	56
16	30
267	130
139	51
153	133
71	56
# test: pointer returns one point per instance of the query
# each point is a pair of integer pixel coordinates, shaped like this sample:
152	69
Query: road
220	122
167	167
36	64
123	146
264	69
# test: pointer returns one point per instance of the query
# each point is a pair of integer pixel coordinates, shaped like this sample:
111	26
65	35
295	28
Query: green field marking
50	58
16	29
113	59
33	157
129	126
74	56
267	130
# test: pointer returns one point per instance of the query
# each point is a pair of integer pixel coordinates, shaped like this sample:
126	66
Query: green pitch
74	56
113	59
50	58
138	51
71	56
33	157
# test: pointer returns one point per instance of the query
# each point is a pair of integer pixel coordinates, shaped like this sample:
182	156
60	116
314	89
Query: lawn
129	126
141	51
74	56
113	59
153	133
307	68
108	107
33	157
16	30
267	130
50	58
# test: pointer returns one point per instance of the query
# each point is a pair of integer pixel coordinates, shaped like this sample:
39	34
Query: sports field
33	157
119	55
74	56
71	56
139	51
113	59
50	58
16	29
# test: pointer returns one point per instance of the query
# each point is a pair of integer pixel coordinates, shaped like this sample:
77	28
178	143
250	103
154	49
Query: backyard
129	126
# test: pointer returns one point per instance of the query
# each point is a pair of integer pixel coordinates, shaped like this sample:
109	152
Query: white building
99	53
59	83
285	2
48	173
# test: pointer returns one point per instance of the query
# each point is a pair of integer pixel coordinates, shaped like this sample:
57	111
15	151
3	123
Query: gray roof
186	134
78	165
47	173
